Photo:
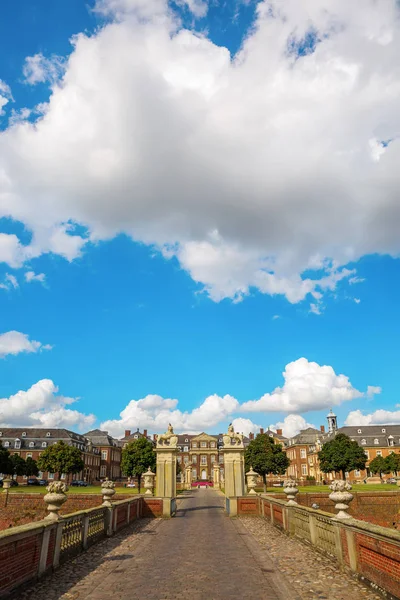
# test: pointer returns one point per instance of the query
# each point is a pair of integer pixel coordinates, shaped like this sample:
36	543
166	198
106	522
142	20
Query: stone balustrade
29	551
371	551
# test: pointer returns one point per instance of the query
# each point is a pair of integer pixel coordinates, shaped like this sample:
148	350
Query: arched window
376	441
24	434
44	444
363	442
6	444
31	444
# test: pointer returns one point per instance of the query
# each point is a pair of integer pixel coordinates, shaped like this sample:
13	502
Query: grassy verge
325	488
90	489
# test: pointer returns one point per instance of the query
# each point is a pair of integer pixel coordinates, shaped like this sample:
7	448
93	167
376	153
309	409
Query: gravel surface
313	575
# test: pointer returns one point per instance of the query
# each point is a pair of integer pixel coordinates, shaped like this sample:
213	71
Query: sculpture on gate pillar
166	451
168	439
233	450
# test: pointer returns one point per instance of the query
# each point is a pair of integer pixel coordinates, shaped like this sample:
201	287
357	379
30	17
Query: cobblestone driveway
199	555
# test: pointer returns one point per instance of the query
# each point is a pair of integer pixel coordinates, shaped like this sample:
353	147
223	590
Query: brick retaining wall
378	508
19	509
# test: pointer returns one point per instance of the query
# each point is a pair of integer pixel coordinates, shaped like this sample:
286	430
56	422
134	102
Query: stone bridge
200	554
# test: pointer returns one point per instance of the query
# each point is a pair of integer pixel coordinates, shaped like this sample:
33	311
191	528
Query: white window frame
303	453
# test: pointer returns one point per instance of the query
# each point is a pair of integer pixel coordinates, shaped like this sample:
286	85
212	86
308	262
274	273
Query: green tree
4	461
61	458
266	457
379	465
393	463
340	455
137	457
17	465
31	467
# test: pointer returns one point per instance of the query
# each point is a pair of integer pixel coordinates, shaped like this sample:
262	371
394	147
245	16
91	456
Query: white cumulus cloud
378	417
40	406
155	412
308	386
291	425
249	171
39	69
31	276
15	342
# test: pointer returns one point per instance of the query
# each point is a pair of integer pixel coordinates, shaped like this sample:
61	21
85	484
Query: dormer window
1	433
31	444
24	434
17	444
359	431
48	434
44	444
135	437
186	440
271	435
363	442
376	441
383	430
6	444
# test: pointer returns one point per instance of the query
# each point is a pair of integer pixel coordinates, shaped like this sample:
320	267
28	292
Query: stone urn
55	498
251	481
290	489
108	491
6	484
149	482
341	496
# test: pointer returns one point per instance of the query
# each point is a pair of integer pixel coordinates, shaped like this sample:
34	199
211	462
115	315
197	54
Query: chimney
261	430
251	436
145	433
322	428
127	432
279	431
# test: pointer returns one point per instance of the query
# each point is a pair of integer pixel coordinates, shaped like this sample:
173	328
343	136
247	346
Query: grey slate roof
100	438
306	436
370	433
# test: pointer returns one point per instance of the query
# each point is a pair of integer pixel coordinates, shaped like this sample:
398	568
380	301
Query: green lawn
384	487
90	489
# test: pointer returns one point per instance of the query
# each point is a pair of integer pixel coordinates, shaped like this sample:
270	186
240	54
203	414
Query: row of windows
23	434
17	444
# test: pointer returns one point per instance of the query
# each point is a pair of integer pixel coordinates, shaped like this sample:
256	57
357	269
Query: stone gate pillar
216	476
188	477
233	450
167	450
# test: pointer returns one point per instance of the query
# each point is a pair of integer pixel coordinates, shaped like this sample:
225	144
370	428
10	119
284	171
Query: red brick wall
247	506
19	561
381	509
152	507
26	508
379	562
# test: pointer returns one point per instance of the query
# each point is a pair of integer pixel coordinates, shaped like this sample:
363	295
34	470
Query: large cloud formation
249	171
40	406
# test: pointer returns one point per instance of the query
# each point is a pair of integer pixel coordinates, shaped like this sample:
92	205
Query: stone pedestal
233	450
166	450
216	476
188	477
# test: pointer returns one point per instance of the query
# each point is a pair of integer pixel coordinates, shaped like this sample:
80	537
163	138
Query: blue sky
188	211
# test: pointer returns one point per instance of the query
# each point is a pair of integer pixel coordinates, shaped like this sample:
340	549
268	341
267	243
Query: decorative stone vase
341	496
290	489
149	482
108	491
6	484
251	481
55	499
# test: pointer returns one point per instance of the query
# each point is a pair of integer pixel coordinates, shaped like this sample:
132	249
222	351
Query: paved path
201	554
